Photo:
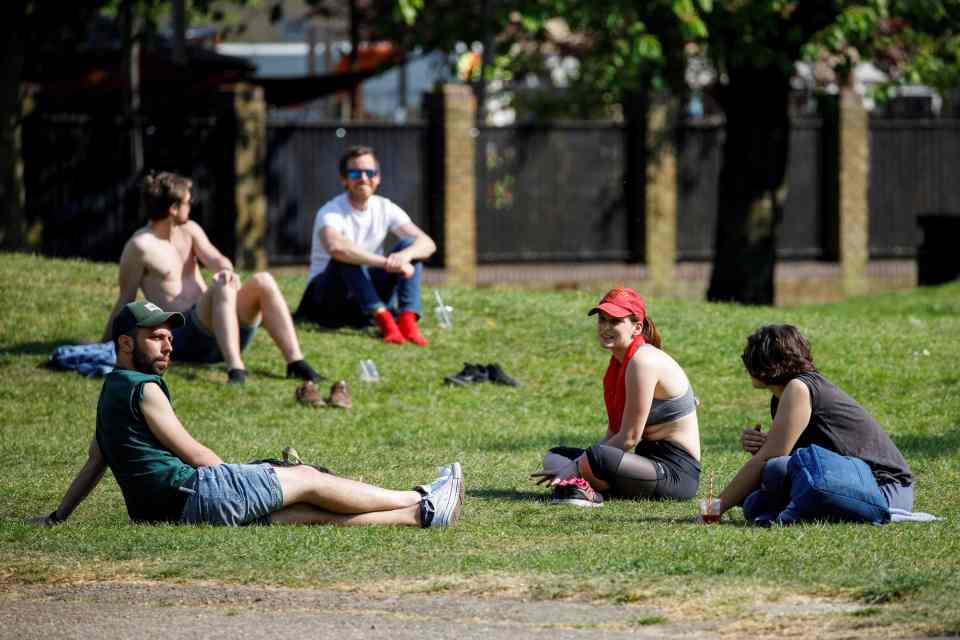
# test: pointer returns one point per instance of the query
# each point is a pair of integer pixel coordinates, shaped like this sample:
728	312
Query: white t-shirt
367	229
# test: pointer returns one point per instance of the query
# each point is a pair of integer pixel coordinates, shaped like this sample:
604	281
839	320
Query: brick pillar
854	182
660	228
457	112
249	225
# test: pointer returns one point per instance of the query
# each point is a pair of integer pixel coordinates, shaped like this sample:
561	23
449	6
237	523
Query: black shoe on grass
497	375
470	374
301	369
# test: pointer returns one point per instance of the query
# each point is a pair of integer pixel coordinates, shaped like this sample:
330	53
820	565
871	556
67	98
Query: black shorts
194	343
678	472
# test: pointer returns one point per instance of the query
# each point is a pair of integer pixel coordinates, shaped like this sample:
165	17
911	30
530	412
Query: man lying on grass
167	476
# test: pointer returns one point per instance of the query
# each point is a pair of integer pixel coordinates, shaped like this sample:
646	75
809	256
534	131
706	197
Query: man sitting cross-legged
161	259
353	280
167	476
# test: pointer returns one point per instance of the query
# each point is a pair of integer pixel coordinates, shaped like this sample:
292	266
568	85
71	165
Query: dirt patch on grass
464	608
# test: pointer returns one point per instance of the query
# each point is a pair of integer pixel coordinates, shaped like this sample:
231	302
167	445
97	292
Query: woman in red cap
652	445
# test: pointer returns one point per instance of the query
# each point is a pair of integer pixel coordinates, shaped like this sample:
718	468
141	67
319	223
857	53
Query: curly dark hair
777	353
160	191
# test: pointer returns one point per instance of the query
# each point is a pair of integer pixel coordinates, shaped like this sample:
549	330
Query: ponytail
650	333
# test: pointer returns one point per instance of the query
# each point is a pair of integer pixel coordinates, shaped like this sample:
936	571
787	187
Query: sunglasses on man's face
356	174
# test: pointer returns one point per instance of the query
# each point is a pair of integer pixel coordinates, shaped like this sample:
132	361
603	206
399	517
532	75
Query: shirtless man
161	260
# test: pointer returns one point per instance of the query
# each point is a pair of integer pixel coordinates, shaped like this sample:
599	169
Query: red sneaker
408	327
388	328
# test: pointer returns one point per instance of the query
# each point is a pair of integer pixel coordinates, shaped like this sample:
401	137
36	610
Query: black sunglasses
354	174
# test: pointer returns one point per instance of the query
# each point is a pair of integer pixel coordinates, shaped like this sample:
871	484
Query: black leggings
656	469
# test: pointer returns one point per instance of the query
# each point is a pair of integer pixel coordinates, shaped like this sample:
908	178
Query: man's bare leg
303	513
217	310
342	496
260	297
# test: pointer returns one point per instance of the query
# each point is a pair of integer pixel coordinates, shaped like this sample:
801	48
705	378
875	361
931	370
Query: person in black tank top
807	409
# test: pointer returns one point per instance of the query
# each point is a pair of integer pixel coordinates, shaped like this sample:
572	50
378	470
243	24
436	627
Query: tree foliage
752	47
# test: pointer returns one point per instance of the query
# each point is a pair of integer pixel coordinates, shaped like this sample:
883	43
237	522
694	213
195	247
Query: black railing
913	171
79	183
552	193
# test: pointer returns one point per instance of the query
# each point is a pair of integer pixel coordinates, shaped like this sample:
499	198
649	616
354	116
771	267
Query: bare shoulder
795	390
653	363
141	237
140	243
154	395
648	359
649	355
193	229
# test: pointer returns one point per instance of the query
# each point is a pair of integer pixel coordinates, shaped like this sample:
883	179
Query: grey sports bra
672	408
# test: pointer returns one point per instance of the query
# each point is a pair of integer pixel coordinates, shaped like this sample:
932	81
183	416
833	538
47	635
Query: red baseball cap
620	303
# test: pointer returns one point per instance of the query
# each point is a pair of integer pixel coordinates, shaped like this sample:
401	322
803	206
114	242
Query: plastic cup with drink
710	510
710	506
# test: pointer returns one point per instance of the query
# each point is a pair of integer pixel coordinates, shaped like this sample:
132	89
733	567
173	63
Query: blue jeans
765	504
346	295
232	495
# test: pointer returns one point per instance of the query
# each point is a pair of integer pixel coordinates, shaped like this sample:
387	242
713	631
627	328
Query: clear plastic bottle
368	371
442	312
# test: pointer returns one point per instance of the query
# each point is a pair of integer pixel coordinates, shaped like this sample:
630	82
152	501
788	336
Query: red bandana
615	385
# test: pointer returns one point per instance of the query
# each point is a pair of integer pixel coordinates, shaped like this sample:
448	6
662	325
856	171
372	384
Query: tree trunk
13	222
752	184
131	49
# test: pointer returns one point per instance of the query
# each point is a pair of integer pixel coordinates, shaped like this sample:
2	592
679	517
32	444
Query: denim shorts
232	495
194	343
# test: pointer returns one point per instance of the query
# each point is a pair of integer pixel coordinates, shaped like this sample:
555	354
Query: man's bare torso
171	276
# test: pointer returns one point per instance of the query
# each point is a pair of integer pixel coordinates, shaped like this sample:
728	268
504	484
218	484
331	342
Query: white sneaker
443	473
448	497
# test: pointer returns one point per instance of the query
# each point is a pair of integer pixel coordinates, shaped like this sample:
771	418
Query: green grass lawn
897	353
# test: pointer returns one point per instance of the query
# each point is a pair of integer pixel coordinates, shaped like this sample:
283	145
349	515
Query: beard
143	363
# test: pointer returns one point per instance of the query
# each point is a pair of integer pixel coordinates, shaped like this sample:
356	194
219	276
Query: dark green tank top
148	473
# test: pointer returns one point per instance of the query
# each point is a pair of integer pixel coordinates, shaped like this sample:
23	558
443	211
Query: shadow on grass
311	327
38	348
930	446
536	441
193	371
509	494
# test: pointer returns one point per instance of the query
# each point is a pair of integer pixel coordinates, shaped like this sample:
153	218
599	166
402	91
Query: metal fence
802	232
303	174
552	193
698	172
913	171
555	192
79	186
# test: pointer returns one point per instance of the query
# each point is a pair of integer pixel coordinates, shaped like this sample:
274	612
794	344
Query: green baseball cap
142	313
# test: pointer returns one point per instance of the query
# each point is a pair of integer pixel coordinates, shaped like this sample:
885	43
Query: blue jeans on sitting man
772	502
348	294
